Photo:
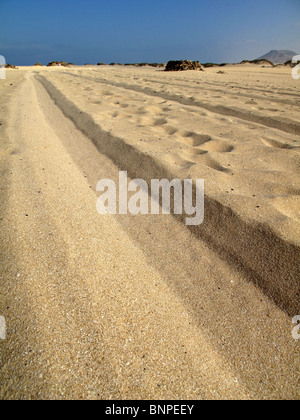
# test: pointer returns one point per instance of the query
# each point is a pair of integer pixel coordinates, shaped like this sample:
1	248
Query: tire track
286	125
203	86
224	231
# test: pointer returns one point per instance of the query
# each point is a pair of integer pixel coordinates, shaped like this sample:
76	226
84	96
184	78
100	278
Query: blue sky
125	31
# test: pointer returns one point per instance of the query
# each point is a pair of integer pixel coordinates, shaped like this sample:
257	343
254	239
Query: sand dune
115	306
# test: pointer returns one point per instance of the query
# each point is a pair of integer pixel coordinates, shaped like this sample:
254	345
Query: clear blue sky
146	30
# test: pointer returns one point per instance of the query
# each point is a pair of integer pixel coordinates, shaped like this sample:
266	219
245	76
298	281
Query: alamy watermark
296	330
2	328
2	67
296	69
186	197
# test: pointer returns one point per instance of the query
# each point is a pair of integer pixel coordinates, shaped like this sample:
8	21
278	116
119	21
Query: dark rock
183	65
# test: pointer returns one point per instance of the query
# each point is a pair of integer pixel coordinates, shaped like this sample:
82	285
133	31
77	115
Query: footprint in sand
149	110
200	148
288	206
194	139
207	143
220	146
251	103
168	129
178	160
155	123
225	120
159	122
203	157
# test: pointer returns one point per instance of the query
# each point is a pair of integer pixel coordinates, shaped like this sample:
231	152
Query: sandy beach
144	307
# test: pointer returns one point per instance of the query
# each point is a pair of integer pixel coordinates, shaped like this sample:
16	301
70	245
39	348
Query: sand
144	307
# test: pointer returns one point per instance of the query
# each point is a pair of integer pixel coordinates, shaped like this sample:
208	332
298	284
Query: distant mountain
278	56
